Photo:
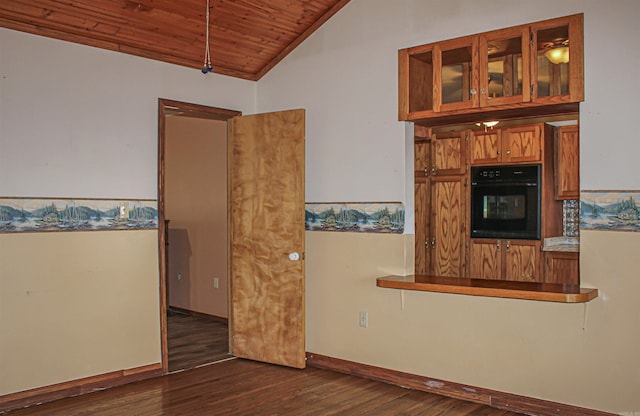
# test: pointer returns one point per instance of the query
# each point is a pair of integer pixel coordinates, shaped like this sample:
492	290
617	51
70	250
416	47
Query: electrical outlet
216	283
364	319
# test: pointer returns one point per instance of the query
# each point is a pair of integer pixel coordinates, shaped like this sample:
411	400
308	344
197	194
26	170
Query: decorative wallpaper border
359	217
61	214
610	210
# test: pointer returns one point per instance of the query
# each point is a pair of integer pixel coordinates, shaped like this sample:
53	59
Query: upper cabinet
511	69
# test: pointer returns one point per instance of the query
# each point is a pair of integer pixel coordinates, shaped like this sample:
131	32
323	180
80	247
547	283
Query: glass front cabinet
518	67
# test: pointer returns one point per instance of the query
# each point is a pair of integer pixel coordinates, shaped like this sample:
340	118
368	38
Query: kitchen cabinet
514	260
441	195
522	144
448	225
567	162
507	69
449	153
562	267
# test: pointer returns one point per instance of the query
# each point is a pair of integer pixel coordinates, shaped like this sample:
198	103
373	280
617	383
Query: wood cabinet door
505	66
560	267
558	80
267	215
448	153
448	225
485	147
455	78
422	158
567	163
422	223
522	144
522	258
485	259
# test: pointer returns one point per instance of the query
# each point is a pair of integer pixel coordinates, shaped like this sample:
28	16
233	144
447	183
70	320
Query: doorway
192	226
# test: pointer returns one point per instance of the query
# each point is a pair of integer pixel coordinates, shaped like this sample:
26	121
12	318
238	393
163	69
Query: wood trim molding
53	392
191	110
492	398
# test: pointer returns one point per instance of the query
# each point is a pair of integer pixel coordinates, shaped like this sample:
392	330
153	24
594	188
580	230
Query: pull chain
206	66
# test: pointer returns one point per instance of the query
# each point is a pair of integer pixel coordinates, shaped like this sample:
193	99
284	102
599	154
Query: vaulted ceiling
247	37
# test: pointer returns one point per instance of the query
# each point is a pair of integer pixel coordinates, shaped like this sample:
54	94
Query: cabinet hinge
532	89
530	38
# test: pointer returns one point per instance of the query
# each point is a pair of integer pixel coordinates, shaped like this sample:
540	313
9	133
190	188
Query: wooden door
485	147
422	208
567	163
448	154
485	259
266	186
504	66
522	260
448	225
562	267
455	64
522	144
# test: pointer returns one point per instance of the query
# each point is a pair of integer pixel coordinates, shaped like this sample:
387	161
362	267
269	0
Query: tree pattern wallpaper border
76	214
360	217
610	210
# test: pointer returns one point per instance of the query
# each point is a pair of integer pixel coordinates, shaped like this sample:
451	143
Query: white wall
80	122
345	75
68	111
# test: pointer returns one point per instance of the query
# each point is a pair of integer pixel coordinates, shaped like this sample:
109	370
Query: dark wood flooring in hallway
195	340
239	387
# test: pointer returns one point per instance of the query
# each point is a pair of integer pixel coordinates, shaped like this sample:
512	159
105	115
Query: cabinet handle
426	171
499	152
483	91
473	91
508	245
433	243
508	152
433	170
498	246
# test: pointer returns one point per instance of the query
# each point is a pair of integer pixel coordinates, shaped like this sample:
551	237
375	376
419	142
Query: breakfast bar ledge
548	292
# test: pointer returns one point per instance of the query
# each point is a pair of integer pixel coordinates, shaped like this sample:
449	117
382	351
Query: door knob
295	256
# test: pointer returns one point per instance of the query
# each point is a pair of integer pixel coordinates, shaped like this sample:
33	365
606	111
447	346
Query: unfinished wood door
522	144
448	225
266	186
485	259
522	260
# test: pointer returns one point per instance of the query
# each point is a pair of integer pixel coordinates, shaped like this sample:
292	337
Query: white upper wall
345	75
68	111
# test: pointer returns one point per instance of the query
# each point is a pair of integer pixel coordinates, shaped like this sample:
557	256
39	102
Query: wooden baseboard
53	392
194	313
493	398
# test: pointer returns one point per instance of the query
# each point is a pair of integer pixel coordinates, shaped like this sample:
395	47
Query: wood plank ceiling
247	37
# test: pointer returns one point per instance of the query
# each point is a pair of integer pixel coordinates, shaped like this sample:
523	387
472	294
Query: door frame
166	107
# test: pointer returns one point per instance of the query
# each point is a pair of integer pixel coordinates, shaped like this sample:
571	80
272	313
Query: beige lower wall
579	354
76	304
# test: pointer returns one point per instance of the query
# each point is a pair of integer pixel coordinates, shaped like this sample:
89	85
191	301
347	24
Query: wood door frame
166	106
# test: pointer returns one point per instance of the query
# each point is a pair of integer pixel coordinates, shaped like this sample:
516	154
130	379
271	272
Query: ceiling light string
206	66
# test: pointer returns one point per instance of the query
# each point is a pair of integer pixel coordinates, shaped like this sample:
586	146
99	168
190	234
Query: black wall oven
505	202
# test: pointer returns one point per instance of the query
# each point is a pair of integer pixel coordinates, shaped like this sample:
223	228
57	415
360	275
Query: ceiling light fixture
206	66
488	124
558	55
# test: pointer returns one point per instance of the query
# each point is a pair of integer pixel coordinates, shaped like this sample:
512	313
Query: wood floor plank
240	387
195	340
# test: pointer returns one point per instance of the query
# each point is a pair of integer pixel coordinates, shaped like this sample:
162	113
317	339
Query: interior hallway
195	340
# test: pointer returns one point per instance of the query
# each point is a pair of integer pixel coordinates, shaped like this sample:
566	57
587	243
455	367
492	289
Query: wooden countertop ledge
548	292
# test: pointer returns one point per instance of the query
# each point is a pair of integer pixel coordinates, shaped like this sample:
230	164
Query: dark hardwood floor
239	387
195	340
